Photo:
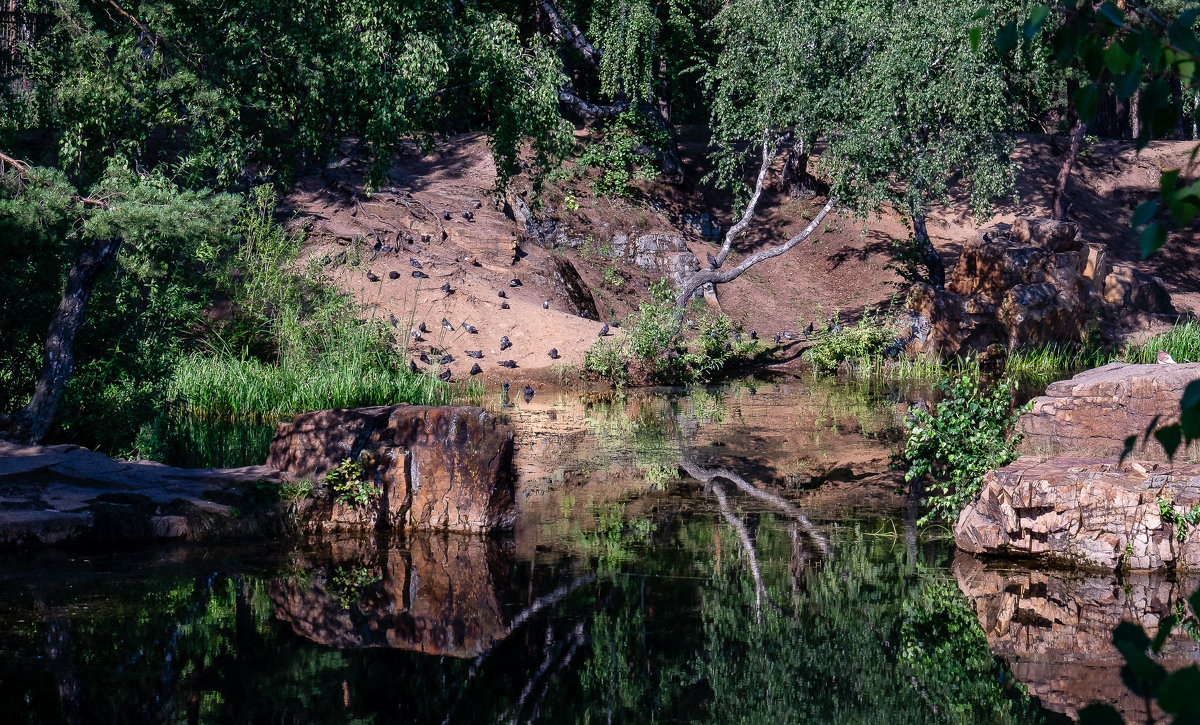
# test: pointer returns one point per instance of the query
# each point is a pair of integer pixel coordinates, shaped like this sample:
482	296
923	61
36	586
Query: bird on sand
546	305
423	358
475	369
603	330
372	276
553	353
415	263
712	261
446	288
502	294
471	329
1165	359
422	328
477	354
504	305
527	393
418	274
504	342
514	282
412	366
393	274
446	325
446	359
510	364
416	335
446	215
777	338
444	375
393	320
753	334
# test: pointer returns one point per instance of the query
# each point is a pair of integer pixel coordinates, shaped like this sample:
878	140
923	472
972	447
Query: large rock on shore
441	468
1087	513
1091	414
1032	282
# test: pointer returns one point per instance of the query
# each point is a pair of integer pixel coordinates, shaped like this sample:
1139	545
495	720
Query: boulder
657	254
442	468
1054	629
1092	413
1034	282
578	295
1085	513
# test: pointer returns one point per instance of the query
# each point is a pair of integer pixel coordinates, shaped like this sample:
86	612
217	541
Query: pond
782	580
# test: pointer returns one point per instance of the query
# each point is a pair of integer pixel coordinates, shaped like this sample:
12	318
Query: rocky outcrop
578	295
657	254
1082	512
1091	414
1054	629
1034	282
441	468
69	495
439	597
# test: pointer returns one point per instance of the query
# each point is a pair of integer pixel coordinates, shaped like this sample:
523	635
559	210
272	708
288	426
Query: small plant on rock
968	434
348	484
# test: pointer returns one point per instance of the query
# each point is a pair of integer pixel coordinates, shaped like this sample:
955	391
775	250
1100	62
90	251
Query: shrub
348	485
865	342
968	434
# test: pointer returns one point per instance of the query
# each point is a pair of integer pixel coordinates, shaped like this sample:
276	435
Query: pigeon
446	215
510	364
425	239
468	216
615	324
471	329
504	342
753	335
444	375
504	305
470	260
789	336
412	366
416	336
584	314
546	305
603	330
514	282
527	393
415	263
809	330
446	288
777	338
502	294
446	325
393	320
553	353
393	274
377	246
371	276
418	274
421	327
423	358
446	359
477	354
386	248
475	369
1164	358
712	261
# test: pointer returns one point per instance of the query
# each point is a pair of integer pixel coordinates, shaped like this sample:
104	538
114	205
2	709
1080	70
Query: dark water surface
790	587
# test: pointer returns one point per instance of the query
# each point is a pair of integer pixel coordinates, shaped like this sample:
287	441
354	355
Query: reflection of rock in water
438	597
1055	629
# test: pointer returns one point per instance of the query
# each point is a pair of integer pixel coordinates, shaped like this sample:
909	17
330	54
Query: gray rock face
1082	512
1092	413
579	297
657	254
441	468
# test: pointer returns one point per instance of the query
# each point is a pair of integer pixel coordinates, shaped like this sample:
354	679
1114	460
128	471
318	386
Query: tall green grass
1181	342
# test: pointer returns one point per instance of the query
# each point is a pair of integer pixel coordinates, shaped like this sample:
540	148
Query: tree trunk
929	255
1058	206
796	180
35	419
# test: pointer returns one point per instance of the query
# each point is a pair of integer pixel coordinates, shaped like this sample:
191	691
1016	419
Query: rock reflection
438	595
1055	629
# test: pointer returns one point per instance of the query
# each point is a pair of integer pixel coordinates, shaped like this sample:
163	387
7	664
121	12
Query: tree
896	92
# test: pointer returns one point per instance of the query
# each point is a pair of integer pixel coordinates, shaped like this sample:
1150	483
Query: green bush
968	434
864	343
348	485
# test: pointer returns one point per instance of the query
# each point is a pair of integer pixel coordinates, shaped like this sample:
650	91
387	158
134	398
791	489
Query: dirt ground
442	210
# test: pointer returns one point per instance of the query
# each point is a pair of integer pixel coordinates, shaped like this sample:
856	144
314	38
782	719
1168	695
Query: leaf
1113	14
1177	695
1164	631
1144	213
1087	100
1100	714
1035	20
1170	436
975	34
1006	37
1152	238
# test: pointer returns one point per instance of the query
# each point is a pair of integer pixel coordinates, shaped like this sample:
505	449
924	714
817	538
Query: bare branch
768	157
713	276
17	164
590	111
570	33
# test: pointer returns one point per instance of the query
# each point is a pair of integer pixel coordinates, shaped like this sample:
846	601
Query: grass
1181	342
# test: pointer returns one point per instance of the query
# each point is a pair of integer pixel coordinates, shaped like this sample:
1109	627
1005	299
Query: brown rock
1092	413
445	468
1046	234
1083	512
1128	288
579	296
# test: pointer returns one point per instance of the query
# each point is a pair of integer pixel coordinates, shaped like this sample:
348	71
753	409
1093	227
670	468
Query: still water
780	580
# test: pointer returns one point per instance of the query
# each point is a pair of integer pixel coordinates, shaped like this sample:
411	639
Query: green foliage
1181	342
618	155
346	584
862	344
348	484
968	434
1180	520
652	347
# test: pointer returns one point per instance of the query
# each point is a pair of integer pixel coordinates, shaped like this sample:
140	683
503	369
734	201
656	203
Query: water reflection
1055	628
